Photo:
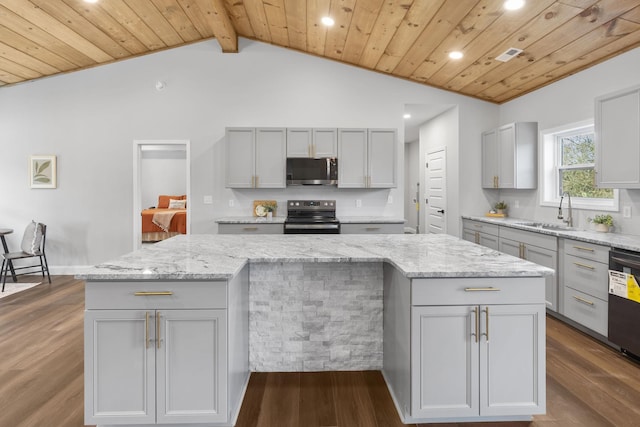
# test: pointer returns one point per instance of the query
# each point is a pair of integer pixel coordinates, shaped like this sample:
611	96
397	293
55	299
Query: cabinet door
192	360
382	158
510	247
325	143
352	158
507	156
512	360
299	142
240	148
271	157
490	159
470	235
488	240
444	362
617	130
546	258
119	367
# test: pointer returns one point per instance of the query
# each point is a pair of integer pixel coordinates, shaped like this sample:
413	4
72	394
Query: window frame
550	152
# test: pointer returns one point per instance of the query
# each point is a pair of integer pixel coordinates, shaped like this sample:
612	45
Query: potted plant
602	222
501	207
271	208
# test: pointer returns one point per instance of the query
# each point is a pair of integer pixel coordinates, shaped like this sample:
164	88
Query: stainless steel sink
544	226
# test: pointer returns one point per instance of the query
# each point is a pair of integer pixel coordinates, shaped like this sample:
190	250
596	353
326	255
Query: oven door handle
312	226
626	262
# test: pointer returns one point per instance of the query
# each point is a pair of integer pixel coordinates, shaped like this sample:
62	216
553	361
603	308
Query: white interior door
436	194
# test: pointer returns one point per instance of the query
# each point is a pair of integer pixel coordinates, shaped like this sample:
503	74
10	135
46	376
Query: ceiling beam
221	24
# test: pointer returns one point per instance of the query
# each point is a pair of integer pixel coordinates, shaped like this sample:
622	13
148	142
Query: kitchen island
173	331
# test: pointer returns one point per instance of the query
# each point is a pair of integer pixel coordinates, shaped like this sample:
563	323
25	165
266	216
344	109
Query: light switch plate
626	211
358	203
207	200
231	203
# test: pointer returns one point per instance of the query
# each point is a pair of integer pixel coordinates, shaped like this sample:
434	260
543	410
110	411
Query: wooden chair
33	243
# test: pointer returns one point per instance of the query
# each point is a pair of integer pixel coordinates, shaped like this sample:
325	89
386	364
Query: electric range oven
311	217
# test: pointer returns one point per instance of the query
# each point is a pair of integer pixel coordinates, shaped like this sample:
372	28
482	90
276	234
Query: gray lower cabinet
253	228
539	248
156	352
585	281
371	228
493	358
481	233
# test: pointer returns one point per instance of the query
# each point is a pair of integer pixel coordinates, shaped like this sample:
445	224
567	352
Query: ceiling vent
510	53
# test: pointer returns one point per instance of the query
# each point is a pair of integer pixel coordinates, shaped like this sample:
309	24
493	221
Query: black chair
33	242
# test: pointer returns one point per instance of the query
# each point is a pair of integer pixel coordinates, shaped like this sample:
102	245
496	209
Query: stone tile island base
315	316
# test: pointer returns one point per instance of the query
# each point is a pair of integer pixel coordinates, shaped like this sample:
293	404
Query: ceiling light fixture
328	21
91	1
513	4
455	54
407	116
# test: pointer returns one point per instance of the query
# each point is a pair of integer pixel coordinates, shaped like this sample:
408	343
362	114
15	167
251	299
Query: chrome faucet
569	220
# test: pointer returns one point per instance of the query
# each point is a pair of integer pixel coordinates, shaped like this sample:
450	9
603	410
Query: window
569	166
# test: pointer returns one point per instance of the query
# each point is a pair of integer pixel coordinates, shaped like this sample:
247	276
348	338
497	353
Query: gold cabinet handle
158	330
477	237
476	312
582	300
486	323
253	181
372	228
490	288
257	181
477	225
582	248
309	151
146	329
579	264
152	293
250	228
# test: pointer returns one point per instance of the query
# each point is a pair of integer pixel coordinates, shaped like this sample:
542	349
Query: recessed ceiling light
91	1
407	116
455	54
513	4
328	21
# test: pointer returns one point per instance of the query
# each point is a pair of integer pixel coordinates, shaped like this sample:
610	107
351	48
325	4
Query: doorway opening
161	190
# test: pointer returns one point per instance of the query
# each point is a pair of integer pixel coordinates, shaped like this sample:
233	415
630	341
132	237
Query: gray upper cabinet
367	158
617	133
509	156
313	143
256	158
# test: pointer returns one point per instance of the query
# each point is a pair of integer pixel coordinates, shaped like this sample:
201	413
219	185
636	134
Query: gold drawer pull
490	288
250	228
158	330
582	248
582	300
146	329
372	228
152	293
584	266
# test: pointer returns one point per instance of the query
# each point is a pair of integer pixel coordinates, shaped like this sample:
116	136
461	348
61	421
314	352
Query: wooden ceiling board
412	27
476	51
479	76
583	23
316	32
472	26
364	18
342	12
391	15
296	12
46	22
409	39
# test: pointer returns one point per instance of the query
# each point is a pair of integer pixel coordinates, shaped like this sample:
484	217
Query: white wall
90	119
162	172
411	178
568	101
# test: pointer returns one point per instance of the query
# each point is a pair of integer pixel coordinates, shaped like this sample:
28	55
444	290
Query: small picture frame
42	171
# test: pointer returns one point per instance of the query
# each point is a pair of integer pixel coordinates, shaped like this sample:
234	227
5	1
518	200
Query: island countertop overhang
222	257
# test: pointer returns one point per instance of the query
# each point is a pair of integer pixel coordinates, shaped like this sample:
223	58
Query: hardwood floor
41	377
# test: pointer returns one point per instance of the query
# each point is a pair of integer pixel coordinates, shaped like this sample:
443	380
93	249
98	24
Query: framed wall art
42	171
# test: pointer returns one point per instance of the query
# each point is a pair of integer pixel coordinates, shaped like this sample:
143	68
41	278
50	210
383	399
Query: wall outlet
231	203
207	200
358	203
389	199
626	212
516	204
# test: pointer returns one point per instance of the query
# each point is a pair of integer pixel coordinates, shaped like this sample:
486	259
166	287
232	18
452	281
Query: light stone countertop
220	257
281	219
615	240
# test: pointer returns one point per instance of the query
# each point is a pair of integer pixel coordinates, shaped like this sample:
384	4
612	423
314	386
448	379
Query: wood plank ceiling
409	39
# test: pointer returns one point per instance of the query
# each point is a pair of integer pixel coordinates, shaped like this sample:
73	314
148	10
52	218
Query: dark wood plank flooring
41	377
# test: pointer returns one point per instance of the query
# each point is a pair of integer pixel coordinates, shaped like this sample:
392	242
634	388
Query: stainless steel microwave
304	171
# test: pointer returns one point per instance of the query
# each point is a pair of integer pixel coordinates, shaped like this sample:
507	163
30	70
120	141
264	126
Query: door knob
440	211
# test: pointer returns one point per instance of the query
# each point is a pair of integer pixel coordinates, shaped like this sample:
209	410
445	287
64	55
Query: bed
166	220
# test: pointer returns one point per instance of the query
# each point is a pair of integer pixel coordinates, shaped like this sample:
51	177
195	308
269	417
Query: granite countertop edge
614	240
281	219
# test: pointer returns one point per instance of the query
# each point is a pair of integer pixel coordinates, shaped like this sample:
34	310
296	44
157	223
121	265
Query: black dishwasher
624	313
